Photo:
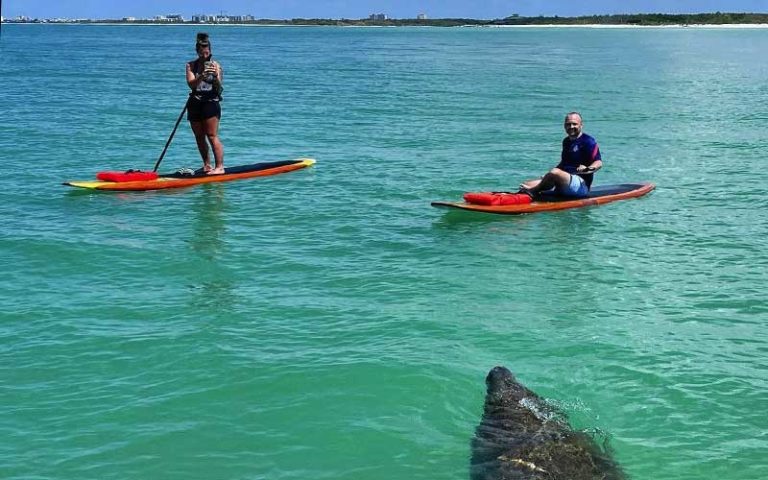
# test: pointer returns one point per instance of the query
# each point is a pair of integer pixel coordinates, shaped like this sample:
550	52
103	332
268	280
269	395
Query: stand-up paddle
178	121
140	175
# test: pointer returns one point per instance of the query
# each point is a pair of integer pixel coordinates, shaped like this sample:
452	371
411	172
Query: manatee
522	437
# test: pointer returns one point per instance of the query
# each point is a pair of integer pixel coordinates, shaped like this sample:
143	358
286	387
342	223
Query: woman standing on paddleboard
204	77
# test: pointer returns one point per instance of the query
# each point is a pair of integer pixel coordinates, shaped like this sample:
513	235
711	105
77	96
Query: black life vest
205	91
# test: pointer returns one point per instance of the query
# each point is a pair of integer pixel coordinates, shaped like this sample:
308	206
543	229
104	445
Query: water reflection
209	227
214	286
465	221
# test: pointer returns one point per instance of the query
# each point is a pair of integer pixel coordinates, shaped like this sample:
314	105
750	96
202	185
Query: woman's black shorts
198	111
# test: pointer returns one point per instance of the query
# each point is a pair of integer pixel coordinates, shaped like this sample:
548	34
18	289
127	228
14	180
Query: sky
283	9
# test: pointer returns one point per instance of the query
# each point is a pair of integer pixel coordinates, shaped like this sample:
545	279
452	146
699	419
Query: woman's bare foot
215	171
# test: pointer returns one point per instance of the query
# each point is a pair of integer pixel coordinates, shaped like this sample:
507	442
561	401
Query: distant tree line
646	19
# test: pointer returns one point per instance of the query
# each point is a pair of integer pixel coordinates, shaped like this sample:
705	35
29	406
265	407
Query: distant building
174	18
241	18
377	16
203	18
421	16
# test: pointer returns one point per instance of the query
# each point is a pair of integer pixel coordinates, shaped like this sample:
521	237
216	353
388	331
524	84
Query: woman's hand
212	68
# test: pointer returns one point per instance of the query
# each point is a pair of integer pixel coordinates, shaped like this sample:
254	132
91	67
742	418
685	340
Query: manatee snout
499	374
502	386
498	379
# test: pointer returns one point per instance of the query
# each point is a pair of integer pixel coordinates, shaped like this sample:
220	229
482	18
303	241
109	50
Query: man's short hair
573	113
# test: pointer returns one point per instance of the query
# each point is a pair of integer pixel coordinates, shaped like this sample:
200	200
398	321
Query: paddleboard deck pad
547	202
187	178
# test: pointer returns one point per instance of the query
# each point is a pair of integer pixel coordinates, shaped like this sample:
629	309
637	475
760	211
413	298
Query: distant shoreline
718	19
733	26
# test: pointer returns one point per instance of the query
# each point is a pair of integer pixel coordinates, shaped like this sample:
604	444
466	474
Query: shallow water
329	323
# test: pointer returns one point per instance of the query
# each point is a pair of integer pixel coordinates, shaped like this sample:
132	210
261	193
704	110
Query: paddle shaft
168	143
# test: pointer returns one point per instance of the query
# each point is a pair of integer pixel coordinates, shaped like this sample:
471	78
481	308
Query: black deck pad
599	191
239	169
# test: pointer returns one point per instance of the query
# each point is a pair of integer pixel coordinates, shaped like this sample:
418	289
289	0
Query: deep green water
330	324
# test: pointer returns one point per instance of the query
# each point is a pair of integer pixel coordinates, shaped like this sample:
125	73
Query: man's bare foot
215	171
207	167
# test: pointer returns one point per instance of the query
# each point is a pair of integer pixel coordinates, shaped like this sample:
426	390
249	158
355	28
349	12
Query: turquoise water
329	323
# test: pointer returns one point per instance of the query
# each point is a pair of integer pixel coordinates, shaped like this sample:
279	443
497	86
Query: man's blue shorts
576	188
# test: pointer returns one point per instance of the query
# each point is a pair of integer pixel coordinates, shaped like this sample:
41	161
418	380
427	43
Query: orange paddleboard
549	202
179	180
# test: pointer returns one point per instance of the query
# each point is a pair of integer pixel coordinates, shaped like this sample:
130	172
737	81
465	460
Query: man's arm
595	162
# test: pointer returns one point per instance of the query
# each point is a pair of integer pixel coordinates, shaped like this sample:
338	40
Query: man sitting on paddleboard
204	77
580	159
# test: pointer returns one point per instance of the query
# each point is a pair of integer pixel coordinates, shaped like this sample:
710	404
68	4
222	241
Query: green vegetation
645	19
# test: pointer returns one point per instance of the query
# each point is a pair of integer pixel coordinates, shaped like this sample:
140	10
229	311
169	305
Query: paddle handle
168	143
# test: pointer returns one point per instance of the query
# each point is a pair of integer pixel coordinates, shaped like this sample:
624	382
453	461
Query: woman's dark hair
202	40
